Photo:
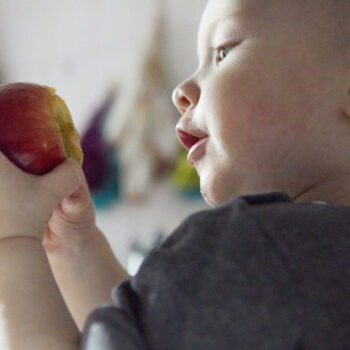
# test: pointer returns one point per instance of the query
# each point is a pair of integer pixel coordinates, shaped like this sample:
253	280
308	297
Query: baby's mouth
189	139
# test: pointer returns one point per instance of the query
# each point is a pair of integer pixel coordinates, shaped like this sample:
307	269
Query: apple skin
36	129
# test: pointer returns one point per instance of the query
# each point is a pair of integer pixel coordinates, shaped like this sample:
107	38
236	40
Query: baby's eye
222	52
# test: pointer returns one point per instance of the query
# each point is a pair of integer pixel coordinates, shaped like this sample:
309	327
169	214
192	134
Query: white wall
81	47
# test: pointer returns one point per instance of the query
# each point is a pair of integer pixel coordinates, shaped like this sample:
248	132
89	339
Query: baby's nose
185	96
180	101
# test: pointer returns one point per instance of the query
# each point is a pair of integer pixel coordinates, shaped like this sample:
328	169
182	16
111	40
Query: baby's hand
27	201
72	222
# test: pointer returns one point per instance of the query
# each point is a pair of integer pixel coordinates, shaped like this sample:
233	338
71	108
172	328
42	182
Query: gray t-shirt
259	272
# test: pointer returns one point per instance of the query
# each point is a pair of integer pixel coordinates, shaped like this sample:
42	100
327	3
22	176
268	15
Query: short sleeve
113	326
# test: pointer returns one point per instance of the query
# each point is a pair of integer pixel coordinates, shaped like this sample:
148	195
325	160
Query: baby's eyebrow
231	17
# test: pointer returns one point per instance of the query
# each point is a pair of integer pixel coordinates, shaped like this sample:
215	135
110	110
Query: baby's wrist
14	237
72	248
11	229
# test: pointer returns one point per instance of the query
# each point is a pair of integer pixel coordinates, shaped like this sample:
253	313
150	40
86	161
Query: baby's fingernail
75	193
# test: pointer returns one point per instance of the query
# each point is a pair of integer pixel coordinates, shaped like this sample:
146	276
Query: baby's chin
209	182
208	199
214	201
215	192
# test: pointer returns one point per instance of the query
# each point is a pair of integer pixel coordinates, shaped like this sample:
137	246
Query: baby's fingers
73	220
62	180
79	203
11	172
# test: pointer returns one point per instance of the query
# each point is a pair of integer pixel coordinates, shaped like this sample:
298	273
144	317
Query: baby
270	99
272	92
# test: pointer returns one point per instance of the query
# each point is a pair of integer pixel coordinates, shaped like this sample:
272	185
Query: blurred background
116	63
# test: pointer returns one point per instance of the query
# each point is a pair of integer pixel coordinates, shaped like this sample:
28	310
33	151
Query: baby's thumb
64	179
79	203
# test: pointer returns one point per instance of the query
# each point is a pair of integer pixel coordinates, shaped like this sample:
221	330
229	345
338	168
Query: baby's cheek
255	111
245	114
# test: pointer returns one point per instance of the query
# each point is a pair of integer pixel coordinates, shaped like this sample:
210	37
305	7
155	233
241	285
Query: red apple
36	129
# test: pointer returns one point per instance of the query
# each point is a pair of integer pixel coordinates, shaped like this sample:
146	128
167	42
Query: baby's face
267	94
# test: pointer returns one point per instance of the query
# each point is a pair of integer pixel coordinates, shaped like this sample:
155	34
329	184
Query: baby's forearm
86	275
33	314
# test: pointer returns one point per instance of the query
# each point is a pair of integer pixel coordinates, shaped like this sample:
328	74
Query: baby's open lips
189	138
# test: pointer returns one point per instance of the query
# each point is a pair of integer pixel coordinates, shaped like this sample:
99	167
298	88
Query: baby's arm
32	311
33	314
80	257
86	275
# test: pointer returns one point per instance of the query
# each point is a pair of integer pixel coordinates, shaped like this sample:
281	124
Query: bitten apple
36	129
